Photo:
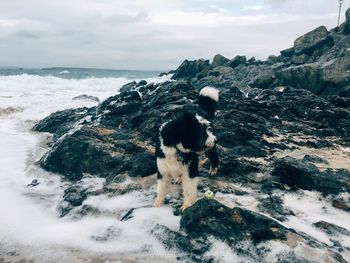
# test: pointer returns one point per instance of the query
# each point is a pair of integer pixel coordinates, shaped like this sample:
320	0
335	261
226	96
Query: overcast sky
152	34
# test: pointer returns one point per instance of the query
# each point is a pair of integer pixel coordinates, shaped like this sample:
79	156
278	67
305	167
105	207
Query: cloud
145	34
122	18
23	27
253	7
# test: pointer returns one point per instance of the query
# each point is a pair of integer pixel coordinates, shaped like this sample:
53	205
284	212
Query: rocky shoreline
283	128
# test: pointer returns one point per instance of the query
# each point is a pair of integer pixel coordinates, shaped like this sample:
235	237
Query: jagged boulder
86	97
311	40
318	76
219	60
346	29
73	196
287	52
60	122
300	59
189	69
272	59
304	175
210	218
237	60
331	229
98	151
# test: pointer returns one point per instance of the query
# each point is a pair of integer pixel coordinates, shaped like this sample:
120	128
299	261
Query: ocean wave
64	72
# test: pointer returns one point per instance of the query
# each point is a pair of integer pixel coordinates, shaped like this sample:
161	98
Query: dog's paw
184	207
213	171
158	202
202	162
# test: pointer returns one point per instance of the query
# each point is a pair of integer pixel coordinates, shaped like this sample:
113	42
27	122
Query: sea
31	229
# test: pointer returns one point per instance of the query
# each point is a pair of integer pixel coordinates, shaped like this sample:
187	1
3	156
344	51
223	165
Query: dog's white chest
170	165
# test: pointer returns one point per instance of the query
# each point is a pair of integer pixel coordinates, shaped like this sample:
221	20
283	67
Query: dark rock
314	159
86	97
302	77
346	28
220	70
237	60
88	151
142	164
190	69
239	170
331	229
127	215
251	60
176	241
341	102
73	196
142	83
111	233
61	122
344	91
117	187
287	52
86	210
163	74
128	87
210	218
262	80
272	59
300	59
219	60
296	173
34	183
316	77
274	206
311	40
341	204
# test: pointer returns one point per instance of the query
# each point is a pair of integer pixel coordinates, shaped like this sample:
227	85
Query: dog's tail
208	100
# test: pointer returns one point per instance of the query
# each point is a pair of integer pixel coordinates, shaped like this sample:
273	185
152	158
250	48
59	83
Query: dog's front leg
213	156
162	189
190	182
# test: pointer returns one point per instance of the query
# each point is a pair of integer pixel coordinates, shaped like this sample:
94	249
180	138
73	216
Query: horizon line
88	68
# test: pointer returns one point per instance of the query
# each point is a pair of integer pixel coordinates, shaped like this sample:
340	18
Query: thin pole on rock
340	4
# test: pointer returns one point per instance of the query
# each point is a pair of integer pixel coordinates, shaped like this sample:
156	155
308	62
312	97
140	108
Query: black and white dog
181	140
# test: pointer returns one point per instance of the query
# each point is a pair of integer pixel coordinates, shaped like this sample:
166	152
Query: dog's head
195	132
208	100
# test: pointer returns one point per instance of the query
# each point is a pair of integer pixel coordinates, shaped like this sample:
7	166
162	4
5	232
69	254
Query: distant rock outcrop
319	62
346	28
307	43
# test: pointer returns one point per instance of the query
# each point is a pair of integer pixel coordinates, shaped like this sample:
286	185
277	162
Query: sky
152	34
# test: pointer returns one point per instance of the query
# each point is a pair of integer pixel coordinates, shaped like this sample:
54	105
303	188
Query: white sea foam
311	207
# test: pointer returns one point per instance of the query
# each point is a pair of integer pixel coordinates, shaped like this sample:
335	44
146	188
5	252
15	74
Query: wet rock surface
283	128
211	218
307	176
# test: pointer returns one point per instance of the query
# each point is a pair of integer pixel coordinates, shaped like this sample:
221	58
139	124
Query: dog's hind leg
190	183
213	156
162	189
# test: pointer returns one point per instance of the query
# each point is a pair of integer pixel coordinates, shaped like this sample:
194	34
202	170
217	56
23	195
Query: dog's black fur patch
190	128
